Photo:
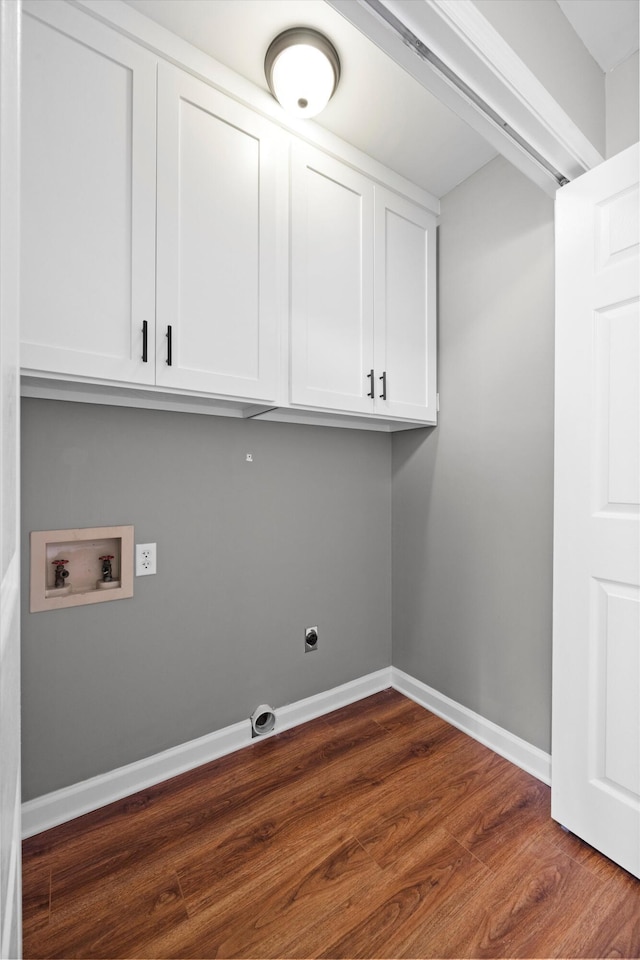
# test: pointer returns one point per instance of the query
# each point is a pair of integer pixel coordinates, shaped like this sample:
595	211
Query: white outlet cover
145	559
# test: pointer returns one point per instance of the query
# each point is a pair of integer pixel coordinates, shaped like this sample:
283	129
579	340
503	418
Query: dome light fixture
302	69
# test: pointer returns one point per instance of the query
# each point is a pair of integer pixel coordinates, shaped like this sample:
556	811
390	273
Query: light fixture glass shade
302	70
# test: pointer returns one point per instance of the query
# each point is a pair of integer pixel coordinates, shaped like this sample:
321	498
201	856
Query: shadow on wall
407	445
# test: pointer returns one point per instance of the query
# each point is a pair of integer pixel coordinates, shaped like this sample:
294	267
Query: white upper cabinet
88	197
405	309
331	283
217	284
169	232
363	335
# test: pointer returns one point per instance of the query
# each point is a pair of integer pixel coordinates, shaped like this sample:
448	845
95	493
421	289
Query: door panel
405	329
331	283
88	196
617	347
596	694
217	241
616	706
215	283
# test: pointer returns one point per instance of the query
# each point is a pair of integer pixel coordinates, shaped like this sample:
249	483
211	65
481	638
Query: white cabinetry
404	308
88	197
331	283
90	304
169	231
363	337
217	318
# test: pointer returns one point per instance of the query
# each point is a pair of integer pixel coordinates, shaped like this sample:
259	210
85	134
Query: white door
88	197
217	287
596	664
405	309
10	902
331	284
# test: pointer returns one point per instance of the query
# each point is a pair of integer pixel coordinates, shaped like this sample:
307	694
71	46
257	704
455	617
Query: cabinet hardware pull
383	395
168	346
144	340
372	392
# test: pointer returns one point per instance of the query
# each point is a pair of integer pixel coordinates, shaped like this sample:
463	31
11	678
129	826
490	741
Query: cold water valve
61	574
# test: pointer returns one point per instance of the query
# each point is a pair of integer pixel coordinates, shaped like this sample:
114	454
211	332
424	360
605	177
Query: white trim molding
58	807
294	714
549	128
472	49
80	798
501	741
12	919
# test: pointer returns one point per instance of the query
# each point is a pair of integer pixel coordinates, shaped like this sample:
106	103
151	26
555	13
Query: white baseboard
61	805
501	741
79	798
295	713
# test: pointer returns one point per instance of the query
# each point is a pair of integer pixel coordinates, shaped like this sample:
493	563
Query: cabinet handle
372	392
383	395
169	346
144	340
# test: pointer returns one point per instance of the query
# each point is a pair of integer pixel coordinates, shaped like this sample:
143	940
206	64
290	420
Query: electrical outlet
145	559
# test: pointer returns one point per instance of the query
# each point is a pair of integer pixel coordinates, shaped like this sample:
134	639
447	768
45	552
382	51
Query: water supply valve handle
61	573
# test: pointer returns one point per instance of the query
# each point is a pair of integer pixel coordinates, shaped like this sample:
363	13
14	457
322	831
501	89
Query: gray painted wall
248	555
622	87
472	499
251	553
546	42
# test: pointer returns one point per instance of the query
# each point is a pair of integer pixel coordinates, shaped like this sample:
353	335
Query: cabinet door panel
331	282
216	242
405	326
88	197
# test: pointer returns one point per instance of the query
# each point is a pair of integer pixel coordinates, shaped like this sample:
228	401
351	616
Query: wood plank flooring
376	831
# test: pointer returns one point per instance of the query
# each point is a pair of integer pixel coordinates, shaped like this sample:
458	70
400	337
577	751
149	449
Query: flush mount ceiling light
302	69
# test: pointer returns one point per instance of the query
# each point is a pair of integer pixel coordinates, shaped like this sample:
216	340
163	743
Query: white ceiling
377	107
608	28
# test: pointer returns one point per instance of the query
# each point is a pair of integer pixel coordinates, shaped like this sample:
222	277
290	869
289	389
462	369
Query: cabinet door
405	309
217	242
331	283
88	197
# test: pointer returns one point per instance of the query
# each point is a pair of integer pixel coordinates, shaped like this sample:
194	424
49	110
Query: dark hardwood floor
375	831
